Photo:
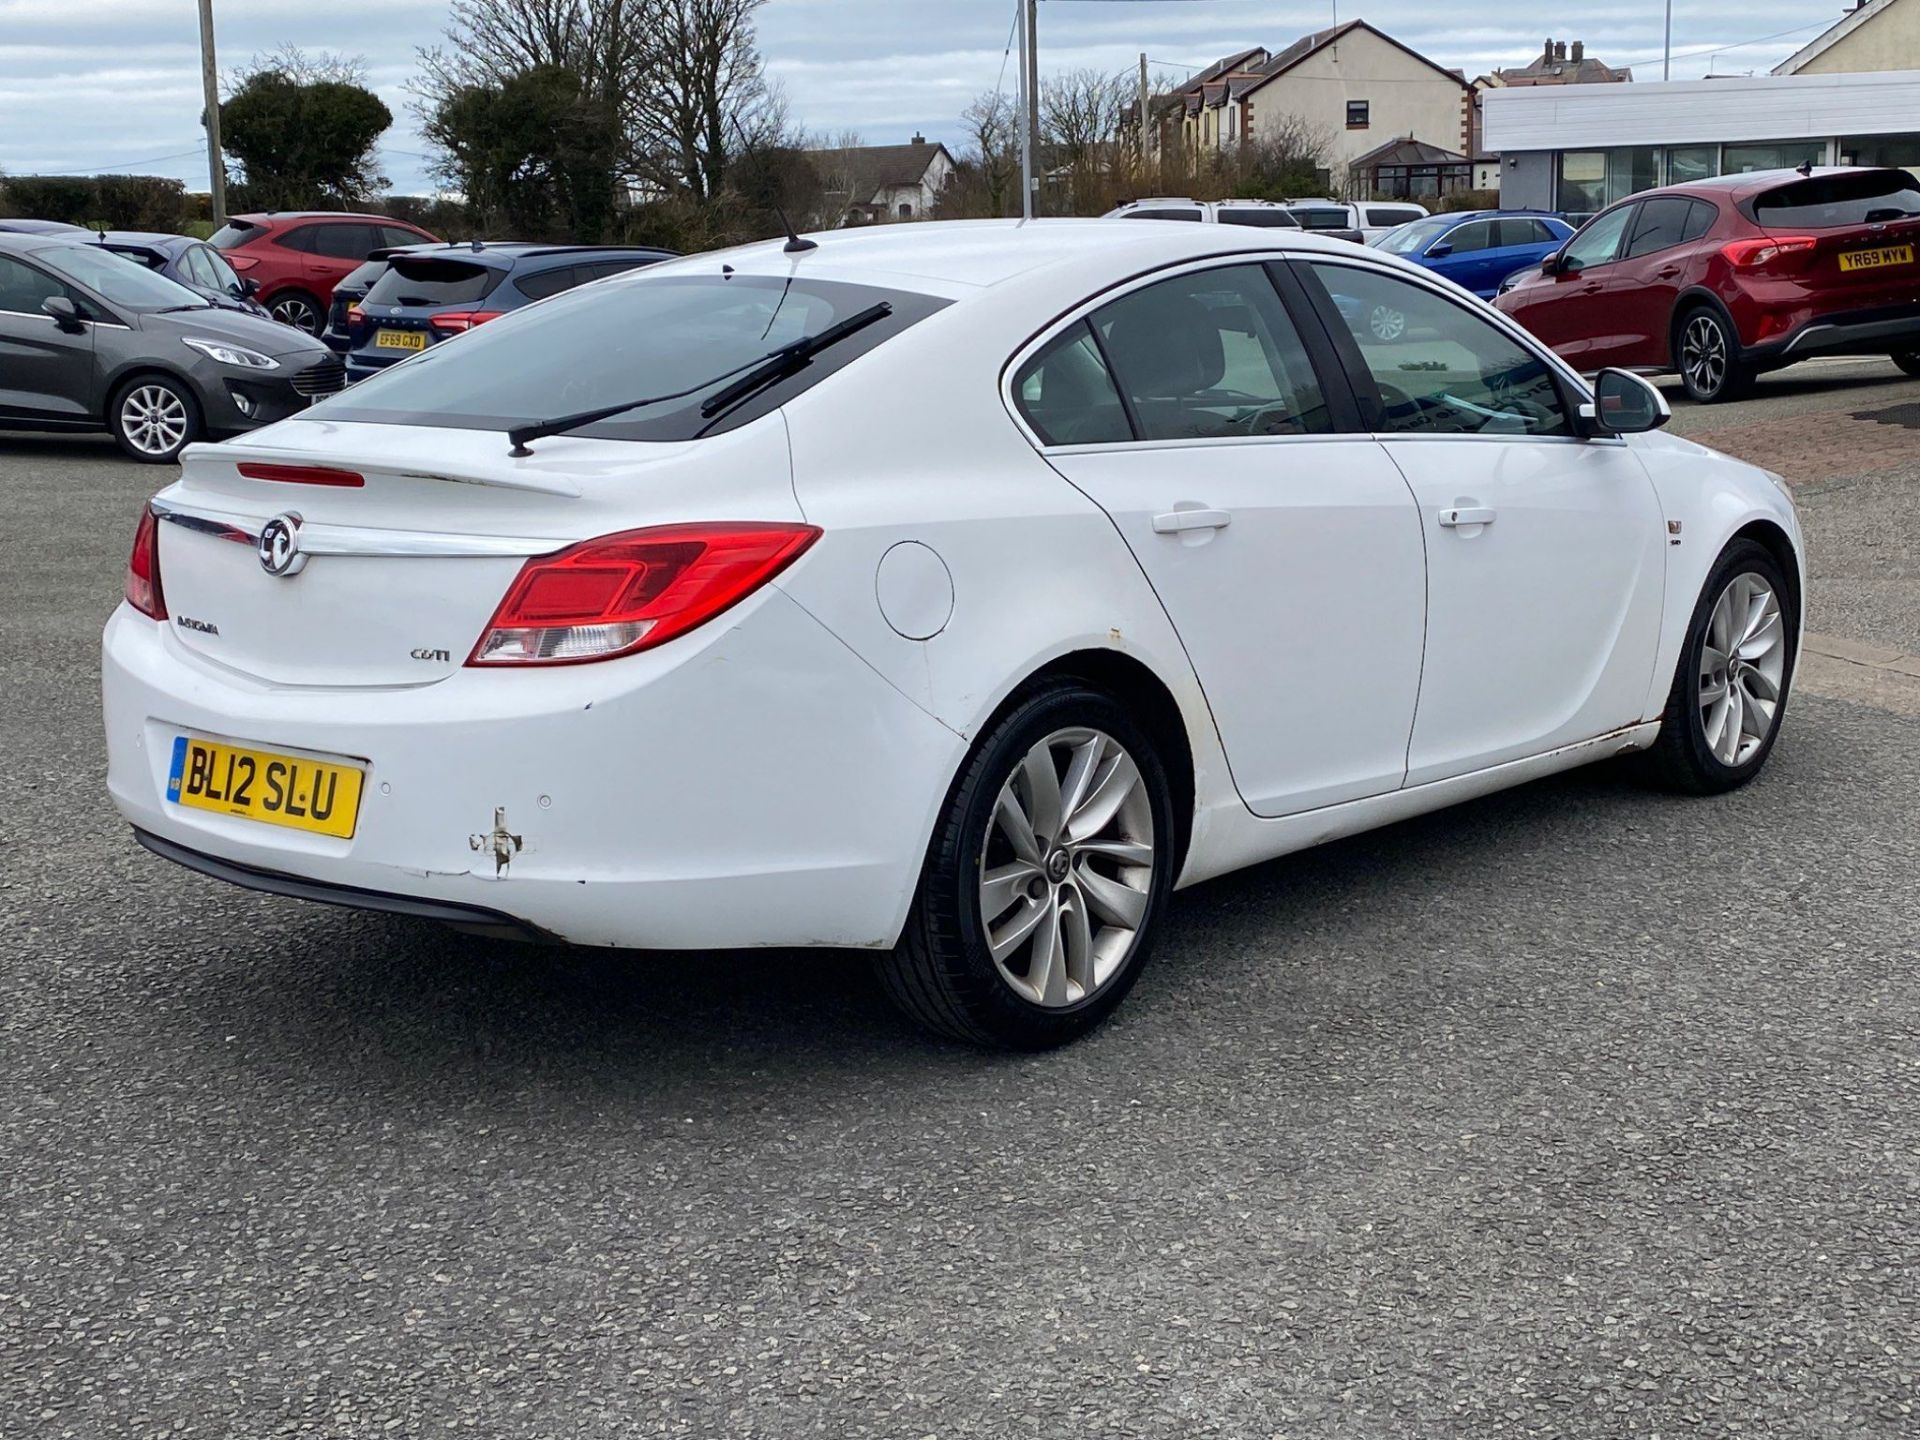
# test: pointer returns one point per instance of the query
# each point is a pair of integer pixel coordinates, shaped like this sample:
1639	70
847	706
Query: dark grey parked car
90	340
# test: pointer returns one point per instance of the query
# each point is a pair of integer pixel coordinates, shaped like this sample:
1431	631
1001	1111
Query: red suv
297	257
1722	280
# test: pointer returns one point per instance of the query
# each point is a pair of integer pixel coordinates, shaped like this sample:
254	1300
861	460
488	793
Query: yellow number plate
1877	259
289	790
399	340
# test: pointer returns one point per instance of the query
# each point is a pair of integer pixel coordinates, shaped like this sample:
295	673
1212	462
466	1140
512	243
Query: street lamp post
210	85
1666	62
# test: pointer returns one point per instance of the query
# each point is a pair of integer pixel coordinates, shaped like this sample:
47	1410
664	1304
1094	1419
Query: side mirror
250	289
1625	404
64	312
1439	250
1551	265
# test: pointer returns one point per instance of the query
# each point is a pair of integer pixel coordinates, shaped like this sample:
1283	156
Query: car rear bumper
1860	332
755	785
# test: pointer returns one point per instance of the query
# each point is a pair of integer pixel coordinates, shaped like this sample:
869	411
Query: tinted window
392	235
1211	354
120	280
234	232
1521	232
1391	214
1268	217
302	238
1441	369
1850	198
343	242
1356	114
420	280
1323	218
601	269
23	288
541	283
1700	219
649	335
1599	241
1465	239
152	259
1067	395
362	278
1179	214
1661	225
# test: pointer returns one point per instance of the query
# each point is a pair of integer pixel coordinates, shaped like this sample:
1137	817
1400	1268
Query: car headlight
228	353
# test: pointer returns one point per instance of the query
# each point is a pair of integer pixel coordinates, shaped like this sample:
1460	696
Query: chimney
1546	56
1560	50
918	138
1579	51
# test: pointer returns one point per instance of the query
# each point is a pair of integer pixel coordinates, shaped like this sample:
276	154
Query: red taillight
242	263
355	315
302	474
1758	251
143	569
455	321
633	591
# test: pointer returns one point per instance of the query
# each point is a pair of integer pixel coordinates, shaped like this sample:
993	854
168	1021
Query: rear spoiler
506	474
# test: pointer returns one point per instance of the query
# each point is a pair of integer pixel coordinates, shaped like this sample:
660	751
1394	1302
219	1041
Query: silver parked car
90	340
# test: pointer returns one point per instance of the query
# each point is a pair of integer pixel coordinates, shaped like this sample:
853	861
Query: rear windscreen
412	281
234	232
1823	202
1273	219
629	339
1322	219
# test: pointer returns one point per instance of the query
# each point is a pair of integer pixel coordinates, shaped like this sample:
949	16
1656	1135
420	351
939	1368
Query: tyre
1908	360
154	417
1049	869
1735	670
298	309
1707	355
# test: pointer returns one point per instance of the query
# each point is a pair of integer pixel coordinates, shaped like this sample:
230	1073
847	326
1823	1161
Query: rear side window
1662	224
1700	219
1824	202
1267	217
1166	214
654	336
420	280
1212	354
302	238
1323	218
234	232
1513	232
344	242
541	283
1066	394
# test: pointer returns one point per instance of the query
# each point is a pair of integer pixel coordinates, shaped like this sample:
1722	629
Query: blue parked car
1477	249
185	261
430	293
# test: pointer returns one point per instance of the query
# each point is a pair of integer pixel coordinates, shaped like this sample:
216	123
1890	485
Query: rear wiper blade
791	358
761	370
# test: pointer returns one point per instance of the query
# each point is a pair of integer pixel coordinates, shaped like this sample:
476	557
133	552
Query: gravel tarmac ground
1578	1111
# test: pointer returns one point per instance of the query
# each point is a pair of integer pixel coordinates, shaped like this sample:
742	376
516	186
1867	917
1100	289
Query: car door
1575	315
1546	552
1650	273
1223	442
46	373
1460	254
338	250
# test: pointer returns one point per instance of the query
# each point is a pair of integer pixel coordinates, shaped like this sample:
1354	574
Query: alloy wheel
1742	669
1703	354
154	420
1067	870
292	310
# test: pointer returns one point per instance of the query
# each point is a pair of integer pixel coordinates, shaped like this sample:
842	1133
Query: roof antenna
1805	167
795	245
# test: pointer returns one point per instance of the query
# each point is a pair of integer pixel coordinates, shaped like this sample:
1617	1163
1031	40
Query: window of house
1740	159
1438	368
906	211
1357	111
1583	181
1212	354
1687	163
1067	395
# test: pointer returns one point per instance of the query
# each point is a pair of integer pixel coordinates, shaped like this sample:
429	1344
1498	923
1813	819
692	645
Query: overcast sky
113	85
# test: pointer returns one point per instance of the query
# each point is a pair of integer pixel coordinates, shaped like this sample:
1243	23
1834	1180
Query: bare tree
836	165
986	184
1080	125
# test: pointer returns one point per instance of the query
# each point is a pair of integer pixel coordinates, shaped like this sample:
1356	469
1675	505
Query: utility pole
210	85
1666	62
1146	127
1030	122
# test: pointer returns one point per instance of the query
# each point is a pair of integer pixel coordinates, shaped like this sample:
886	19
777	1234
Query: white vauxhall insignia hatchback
955	591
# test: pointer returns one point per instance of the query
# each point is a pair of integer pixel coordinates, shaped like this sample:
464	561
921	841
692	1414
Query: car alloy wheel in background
1710	365
298	311
1047	874
154	419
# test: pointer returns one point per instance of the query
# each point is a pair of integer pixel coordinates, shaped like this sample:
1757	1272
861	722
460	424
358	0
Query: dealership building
1579	148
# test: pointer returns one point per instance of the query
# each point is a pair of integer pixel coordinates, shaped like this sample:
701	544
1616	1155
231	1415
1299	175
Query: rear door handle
1178	521
1452	518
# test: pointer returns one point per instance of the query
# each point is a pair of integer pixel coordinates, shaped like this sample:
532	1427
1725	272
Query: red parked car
296	257
1724	279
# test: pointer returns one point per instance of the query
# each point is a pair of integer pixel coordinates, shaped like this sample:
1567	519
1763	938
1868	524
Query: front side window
1598	242
1066	394
224	275
1209	355
1465	239
24	289
1439	368
627	340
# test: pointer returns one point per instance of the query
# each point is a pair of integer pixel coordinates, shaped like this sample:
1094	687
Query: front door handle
1452	518
1179	521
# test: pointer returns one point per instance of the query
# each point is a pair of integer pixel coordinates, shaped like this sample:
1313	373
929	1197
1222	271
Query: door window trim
1335	382
1574	392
